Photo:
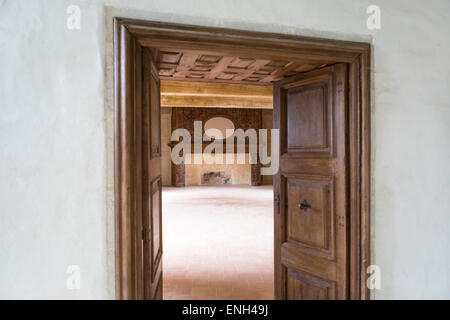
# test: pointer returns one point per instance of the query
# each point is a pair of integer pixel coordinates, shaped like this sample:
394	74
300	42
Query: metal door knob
304	205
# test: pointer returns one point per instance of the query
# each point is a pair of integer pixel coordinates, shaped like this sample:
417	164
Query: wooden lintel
201	94
216	102
214	89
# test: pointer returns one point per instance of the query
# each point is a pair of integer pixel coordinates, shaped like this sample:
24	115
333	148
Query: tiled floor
218	242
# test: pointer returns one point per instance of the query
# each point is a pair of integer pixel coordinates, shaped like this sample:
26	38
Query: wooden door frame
130	35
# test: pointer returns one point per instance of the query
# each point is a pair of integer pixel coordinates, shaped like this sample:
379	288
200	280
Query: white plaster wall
56	134
52	158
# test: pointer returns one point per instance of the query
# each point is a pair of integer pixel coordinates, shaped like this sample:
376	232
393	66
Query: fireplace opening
214	178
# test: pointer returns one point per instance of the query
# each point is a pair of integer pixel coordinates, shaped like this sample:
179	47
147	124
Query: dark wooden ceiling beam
279	73
219	67
187	62
258	64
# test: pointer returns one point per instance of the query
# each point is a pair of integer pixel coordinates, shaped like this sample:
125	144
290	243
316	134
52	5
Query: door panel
304	286
311	247
308	108
307	118
151	197
310	227
156	225
155	109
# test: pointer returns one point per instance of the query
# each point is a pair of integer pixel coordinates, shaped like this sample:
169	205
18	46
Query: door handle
304	205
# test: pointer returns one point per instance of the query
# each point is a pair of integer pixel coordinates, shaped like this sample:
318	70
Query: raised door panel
304	286
308	118
310	214
155	122
156	225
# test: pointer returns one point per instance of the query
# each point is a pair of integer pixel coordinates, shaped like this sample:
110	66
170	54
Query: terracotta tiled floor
218	242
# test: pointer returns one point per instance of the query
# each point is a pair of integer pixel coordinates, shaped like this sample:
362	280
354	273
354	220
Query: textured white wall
56	134
52	142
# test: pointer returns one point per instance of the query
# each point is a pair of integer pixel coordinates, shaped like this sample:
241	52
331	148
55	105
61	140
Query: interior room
217	218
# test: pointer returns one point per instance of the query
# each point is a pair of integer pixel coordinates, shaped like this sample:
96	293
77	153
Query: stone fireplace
218	174
214	178
186	174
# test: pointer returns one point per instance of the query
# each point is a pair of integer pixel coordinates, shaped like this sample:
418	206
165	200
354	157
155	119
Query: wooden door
311	196
151	188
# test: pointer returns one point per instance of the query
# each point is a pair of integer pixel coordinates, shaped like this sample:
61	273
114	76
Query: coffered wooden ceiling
211	67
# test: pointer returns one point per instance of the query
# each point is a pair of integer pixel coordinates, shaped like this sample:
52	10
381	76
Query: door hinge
277	203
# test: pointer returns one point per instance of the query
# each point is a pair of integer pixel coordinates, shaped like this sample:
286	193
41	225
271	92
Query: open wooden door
311	188
151	188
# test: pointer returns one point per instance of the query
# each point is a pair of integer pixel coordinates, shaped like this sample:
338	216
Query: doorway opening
217	215
321	187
